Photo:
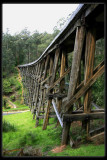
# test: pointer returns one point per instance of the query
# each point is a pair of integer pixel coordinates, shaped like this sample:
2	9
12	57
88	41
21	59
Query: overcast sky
41	17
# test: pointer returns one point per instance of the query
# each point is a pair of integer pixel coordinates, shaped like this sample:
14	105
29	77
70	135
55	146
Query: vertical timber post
40	91
62	82
51	82
79	40
89	66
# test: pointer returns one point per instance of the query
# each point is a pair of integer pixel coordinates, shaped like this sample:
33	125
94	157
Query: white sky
41	17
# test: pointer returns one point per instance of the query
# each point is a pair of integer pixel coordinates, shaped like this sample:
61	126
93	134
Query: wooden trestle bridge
45	80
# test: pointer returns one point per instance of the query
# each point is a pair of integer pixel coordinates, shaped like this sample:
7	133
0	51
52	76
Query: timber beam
57	95
82	116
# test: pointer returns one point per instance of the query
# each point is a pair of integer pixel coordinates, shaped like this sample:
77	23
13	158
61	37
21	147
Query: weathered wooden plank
98	139
65	133
79	40
62	82
62	70
50	116
82	116
84	88
37	90
46	114
78	82
46	117
89	67
96	131
51	65
42	92
97	110
92	111
46	66
41	95
55	65
35	85
58	95
78	46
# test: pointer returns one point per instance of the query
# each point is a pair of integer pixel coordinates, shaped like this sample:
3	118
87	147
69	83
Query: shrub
27	139
17	87
13	98
12	81
6	87
4	102
8	127
98	91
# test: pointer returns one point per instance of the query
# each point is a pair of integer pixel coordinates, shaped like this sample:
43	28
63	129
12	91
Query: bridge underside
53	86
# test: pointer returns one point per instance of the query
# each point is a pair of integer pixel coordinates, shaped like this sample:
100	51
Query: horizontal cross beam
82	116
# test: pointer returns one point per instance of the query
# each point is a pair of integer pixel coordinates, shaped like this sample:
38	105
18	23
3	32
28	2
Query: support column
89	67
40	94
62	82
54	69
79	40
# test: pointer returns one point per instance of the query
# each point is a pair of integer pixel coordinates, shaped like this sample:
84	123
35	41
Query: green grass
84	150
16	109
27	135
8	127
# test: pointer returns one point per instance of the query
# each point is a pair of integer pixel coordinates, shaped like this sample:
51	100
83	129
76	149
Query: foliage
98	91
98	86
10	85
4	102
99	47
12	98
28	138
7	126
22	48
6	87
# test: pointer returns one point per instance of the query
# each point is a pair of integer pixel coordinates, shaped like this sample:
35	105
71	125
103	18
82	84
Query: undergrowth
27	135
7	126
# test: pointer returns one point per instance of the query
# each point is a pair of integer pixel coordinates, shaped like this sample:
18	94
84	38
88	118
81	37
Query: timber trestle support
45	80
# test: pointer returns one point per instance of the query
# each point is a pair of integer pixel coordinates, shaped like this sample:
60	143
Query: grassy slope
28	135
17	92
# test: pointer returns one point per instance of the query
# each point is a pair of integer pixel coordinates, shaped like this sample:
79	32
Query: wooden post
25	87
79	40
63	63
35	84
46	66
89	67
62	82
40	102
51	82
65	135
37	90
27	84
78	82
